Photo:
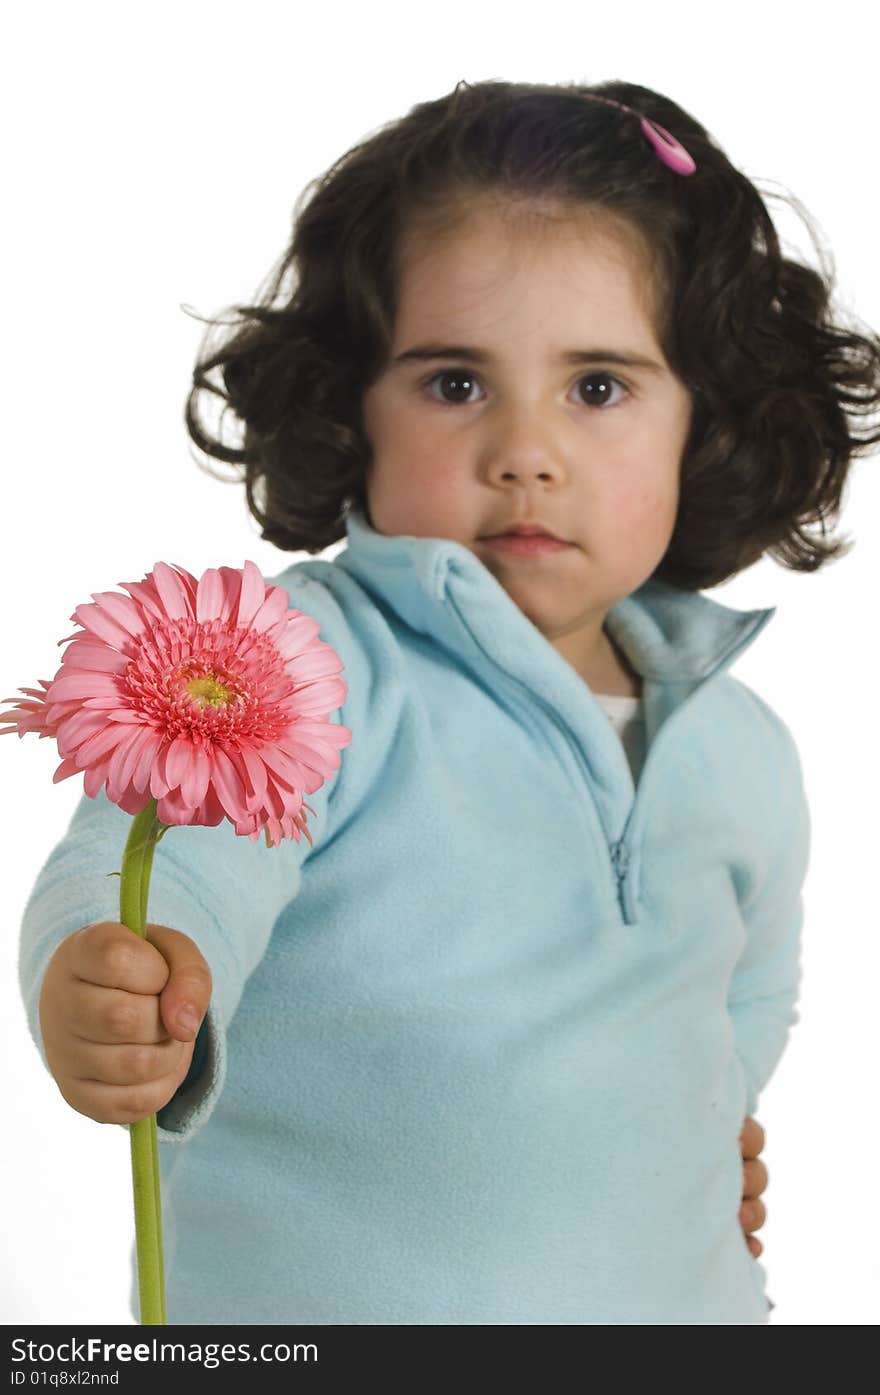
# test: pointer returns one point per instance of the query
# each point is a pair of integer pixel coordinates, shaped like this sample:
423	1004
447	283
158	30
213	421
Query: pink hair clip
670	151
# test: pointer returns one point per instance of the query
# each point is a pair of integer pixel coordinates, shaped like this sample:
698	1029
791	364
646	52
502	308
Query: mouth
525	544
524	530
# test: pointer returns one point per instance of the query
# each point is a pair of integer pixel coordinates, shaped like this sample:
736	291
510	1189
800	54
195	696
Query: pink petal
145	596
97	621
66	768
312	751
209	597
320	660
95	749
84	652
276	759
83	685
256	774
188	768
172	592
292	637
172	808
79	726
323	696
253	592
123	610
126	758
146	760
273	608
228	784
126	715
94	780
57	710
212	809
232	579
196	777
159	784
177	759
274	803
189	584
130	801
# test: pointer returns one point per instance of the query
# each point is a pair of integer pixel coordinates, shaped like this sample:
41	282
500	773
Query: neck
608	670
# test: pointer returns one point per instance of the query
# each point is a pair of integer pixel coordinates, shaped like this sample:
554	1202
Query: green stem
134	884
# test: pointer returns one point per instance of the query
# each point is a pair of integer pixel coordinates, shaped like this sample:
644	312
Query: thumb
184	1000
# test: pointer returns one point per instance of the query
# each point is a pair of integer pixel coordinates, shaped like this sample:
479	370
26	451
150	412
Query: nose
523	462
523	467
520	450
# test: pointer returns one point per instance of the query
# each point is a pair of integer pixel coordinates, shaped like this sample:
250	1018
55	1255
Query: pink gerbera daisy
212	697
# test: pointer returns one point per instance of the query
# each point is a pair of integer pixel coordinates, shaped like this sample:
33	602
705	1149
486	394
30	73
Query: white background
152	158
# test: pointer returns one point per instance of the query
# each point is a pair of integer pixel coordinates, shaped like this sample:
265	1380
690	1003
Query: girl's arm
763	993
222	890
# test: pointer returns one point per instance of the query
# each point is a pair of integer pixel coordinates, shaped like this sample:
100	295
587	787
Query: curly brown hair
777	380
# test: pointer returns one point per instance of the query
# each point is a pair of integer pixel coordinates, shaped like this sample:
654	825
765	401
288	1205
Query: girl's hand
752	1213
109	1009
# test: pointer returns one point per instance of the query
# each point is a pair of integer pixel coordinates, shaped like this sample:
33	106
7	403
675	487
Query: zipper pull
620	858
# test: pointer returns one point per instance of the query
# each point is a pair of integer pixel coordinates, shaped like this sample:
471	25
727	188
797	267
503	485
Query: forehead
448	264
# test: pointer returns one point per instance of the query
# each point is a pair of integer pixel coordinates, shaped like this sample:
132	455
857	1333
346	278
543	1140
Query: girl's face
465	444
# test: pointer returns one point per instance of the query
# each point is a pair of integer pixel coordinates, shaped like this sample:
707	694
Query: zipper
620	850
620	857
620	861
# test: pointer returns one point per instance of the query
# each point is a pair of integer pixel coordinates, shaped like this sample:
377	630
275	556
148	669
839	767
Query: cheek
433	479
437	476
436	500
412	495
638	525
664	512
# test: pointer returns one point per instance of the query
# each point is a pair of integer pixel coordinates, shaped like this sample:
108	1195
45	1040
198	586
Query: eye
462	379
603	397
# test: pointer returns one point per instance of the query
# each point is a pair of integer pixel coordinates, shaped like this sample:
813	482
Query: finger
120	1104
752	1215
751	1138
189	985
111	1016
755	1178
113	956
127	1065
754	1245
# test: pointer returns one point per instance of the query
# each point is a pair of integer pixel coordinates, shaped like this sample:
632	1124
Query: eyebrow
625	357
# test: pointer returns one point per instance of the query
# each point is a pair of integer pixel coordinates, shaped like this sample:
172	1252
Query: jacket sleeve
224	891
766	981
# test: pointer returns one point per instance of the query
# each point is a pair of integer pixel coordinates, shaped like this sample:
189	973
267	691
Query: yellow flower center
211	692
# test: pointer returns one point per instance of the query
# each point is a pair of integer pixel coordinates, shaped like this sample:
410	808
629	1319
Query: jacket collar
677	640
434	585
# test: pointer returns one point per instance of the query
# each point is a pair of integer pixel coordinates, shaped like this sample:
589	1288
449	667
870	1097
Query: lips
526	544
524	532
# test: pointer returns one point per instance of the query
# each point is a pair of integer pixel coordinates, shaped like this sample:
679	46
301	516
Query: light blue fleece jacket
482	1055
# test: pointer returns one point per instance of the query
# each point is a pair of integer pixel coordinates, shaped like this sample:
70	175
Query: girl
483	1052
